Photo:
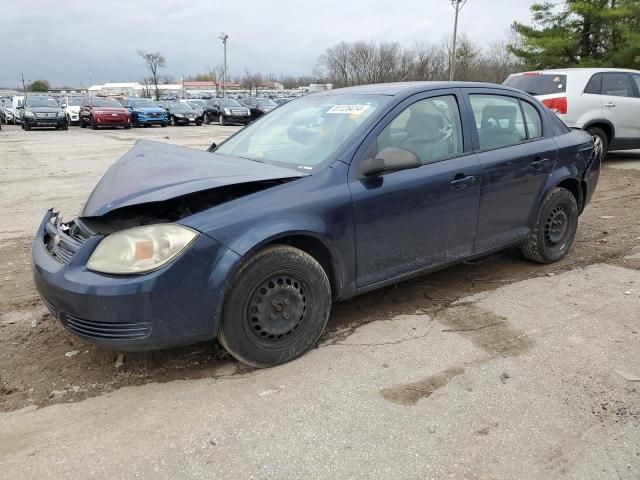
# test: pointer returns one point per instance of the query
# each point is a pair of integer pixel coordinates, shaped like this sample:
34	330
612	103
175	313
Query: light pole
457	4
223	36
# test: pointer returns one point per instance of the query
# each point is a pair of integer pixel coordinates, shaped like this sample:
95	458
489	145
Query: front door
410	220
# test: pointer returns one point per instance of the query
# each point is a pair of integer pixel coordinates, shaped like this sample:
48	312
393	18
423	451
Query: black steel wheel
555	228
276	308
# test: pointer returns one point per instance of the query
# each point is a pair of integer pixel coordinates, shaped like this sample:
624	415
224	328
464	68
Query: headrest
492	114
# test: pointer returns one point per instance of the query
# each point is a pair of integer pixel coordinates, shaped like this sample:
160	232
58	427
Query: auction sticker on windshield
350	109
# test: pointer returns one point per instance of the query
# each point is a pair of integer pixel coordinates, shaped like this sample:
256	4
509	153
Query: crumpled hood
154	171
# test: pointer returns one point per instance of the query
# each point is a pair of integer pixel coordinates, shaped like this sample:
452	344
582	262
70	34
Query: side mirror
389	159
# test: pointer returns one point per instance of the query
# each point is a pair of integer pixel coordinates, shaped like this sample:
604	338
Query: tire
65	126
276	308
135	122
207	120
82	124
600	139
93	124
221	120
26	126
163	125
172	120
127	126
555	228
199	124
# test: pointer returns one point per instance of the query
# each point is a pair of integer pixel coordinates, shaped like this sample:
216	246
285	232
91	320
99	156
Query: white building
132	89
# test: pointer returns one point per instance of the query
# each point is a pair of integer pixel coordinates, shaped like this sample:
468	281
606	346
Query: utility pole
457	5
223	36
24	85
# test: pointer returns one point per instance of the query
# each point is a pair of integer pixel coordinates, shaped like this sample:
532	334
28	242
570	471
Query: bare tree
154	62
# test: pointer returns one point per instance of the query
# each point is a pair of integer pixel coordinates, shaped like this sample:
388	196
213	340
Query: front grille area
238	112
106	331
63	240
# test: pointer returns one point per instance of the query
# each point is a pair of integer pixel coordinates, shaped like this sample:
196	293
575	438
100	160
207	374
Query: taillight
556	105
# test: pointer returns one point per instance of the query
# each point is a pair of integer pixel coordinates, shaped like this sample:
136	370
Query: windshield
41	102
197	103
144	103
304	133
536	84
265	102
106	102
74	101
228	102
179	106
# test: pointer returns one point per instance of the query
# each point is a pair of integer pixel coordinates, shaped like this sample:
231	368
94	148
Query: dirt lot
42	364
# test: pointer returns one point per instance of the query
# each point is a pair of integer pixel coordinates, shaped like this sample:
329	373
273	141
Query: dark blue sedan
327	197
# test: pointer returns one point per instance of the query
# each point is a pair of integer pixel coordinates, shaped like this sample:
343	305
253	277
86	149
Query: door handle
460	181
539	163
610	105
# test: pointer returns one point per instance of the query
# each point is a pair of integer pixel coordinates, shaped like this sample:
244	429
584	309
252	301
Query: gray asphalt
534	380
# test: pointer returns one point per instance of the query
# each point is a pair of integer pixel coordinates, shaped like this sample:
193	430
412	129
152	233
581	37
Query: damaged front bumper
176	305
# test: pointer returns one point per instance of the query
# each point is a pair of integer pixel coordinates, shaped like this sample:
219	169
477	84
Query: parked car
181	113
603	101
42	111
258	106
145	112
14	108
71	106
103	112
327	197
226	111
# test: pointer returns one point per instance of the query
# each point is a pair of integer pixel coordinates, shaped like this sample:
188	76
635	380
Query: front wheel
207	120
221	120
555	228
94	125
276	308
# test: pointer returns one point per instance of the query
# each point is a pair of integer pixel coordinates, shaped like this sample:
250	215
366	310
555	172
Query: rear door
516	157
621	107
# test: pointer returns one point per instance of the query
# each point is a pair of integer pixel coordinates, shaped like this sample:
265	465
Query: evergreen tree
580	33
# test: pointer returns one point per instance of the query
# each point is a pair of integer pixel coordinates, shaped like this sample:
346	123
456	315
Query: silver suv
603	101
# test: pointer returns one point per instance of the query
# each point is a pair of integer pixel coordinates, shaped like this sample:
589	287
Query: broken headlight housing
140	249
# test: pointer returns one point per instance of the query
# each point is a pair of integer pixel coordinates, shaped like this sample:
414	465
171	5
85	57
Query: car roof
397	88
586	70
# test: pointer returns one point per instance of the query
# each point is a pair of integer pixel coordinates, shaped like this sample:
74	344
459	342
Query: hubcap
597	145
276	308
556	227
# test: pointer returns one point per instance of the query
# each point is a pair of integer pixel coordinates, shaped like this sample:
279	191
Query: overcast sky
62	40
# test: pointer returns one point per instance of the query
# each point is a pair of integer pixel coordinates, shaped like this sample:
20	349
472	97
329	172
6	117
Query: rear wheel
276	308
555	228
600	141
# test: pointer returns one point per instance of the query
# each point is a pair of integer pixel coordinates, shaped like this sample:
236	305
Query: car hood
43	109
150	109
154	172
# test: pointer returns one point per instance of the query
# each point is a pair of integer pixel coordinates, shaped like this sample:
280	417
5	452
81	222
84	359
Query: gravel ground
448	402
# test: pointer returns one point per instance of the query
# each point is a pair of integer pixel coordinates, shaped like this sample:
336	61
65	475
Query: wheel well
319	252
606	128
575	188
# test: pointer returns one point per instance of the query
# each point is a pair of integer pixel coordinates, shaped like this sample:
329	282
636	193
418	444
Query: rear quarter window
538	84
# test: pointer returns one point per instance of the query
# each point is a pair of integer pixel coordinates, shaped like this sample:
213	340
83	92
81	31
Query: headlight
179	115
61	114
140	249
227	111
28	113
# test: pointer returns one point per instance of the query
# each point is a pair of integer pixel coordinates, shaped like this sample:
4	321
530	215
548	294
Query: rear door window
534	122
595	84
538	84
498	120
617	85
636	80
